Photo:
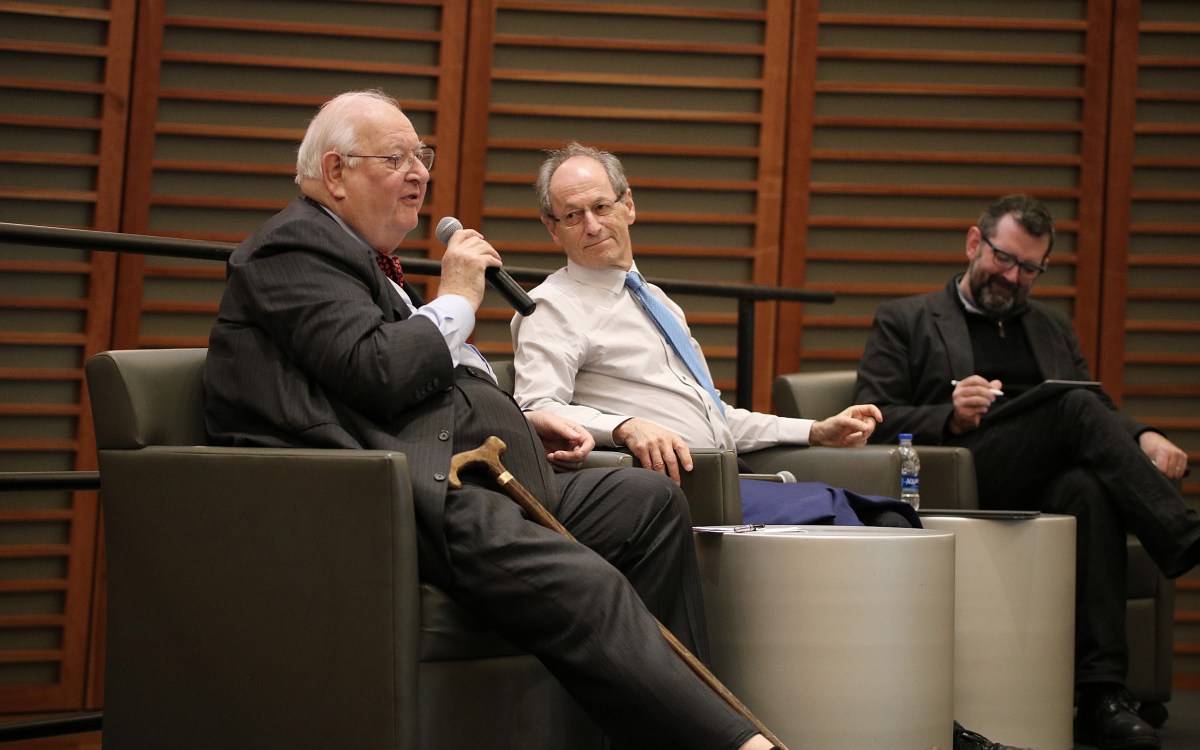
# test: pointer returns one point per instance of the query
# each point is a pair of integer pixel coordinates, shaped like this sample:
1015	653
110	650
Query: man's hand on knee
655	447
1169	458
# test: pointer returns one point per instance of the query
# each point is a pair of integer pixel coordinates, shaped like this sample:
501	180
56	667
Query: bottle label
909	483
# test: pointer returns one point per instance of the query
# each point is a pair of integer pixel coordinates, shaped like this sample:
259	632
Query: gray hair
333	129
611	164
1029	212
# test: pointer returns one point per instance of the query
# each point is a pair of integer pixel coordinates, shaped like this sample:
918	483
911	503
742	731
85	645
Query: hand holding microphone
499	279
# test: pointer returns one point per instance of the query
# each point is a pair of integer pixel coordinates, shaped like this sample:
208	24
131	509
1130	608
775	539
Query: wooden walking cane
488	456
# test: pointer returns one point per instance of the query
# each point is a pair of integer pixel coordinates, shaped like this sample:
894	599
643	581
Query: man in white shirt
593	353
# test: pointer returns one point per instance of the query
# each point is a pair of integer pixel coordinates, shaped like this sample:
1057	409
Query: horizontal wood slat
921	21
681	11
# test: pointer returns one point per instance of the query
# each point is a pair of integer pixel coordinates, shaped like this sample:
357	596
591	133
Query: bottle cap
905	436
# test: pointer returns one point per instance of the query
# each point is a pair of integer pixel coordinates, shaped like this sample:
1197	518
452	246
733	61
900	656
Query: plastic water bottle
910	472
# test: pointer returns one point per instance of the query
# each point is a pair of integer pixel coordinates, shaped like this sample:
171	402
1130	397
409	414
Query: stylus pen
995	391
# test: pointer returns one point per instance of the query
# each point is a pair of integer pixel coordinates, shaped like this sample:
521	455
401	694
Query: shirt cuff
794	431
454	318
602	428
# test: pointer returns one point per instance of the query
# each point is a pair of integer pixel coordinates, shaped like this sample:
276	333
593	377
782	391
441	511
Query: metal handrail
746	294
13	731
18	481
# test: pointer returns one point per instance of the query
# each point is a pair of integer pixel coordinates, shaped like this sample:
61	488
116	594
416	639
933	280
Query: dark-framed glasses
575	215
1006	261
403	162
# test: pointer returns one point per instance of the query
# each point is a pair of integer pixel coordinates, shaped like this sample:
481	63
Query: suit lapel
385	294
952	328
413	294
399	309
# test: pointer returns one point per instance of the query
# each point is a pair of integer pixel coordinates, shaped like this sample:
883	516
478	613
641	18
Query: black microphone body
504	284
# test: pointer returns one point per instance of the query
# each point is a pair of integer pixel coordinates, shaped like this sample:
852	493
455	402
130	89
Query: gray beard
986	299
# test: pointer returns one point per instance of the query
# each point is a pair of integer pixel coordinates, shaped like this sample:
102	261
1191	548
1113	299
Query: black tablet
1042	391
1000	515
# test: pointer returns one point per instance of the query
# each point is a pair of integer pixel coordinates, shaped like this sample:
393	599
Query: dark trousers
1071	455
584	608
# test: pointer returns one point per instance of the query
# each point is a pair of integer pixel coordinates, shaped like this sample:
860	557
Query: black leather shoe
965	739
1110	721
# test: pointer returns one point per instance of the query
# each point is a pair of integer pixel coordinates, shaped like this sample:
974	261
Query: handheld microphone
512	293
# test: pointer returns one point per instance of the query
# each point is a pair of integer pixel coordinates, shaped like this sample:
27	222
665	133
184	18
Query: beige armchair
947	474
269	597
948	482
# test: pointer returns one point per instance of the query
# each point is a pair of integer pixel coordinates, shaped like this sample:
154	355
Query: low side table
839	638
1014	643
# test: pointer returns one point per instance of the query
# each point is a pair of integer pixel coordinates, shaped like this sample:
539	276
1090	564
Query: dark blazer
313	347
918	344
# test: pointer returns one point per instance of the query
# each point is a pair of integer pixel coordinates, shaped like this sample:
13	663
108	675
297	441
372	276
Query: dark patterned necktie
390	265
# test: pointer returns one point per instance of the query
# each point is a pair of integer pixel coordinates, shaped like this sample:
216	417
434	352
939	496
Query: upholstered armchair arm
711	486
872	470
282	583
606	459
947	474
947	478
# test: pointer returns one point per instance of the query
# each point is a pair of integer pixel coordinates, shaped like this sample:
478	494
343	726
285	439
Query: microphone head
787	477
446	229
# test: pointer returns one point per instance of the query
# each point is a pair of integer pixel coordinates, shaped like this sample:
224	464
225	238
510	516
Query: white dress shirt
591	354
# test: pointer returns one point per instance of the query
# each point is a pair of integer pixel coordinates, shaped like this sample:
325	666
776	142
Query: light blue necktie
668	324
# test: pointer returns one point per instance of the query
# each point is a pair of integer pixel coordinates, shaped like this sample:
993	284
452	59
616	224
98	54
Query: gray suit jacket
917	345
313	348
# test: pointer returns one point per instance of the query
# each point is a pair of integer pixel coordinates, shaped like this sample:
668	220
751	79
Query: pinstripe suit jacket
918	344
313	348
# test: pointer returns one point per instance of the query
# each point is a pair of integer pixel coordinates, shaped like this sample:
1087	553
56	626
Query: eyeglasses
403	162
575	215
1006	261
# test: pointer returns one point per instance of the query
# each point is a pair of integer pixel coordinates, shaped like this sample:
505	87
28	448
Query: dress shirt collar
967	304
609	279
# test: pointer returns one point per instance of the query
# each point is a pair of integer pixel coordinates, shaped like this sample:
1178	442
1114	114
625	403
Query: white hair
332	129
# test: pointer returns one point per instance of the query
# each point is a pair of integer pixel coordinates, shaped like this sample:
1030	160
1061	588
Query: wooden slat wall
224	93
692	97
64	84
842	144
1150	353
907	120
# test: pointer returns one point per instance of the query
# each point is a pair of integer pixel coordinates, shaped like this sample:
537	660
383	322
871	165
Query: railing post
745	353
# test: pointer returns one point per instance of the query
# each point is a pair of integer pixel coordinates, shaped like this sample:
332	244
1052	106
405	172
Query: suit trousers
585	607
1071	455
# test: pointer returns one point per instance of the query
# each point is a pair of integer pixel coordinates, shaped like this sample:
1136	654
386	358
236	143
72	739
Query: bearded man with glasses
944	365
